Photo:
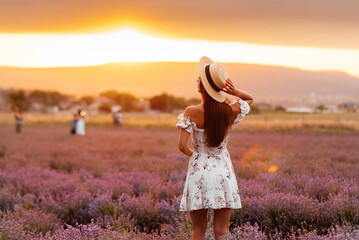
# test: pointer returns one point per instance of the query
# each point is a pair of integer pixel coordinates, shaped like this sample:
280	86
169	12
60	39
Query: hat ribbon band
210	80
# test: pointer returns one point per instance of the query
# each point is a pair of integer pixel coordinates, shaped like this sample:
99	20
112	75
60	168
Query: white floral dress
210	180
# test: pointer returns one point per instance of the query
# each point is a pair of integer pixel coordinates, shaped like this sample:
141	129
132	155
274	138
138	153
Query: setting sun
129	45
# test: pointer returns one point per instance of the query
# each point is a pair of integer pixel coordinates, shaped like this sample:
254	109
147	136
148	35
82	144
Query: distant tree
88	100
125	100
279	109
159	102
38	96
321	107
47	98
105	107
18	99
111	94
167	103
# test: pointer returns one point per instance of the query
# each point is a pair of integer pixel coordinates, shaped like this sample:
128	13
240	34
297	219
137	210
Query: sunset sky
308	34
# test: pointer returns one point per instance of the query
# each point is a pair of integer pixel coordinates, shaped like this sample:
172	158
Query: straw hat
213	76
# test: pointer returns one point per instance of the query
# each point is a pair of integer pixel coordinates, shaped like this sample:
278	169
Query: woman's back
199	136
193	122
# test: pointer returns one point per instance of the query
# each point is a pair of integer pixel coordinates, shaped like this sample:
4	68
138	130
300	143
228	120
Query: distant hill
272	84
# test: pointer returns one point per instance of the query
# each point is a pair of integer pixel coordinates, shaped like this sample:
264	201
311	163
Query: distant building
72	106
36	107
333	108
328	110
300	109
348	106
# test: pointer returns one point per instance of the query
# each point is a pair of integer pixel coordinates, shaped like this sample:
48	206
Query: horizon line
179	62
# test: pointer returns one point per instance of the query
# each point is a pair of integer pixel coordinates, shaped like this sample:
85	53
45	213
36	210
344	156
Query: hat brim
218	96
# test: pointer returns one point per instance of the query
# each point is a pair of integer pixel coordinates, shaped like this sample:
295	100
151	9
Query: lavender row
271	200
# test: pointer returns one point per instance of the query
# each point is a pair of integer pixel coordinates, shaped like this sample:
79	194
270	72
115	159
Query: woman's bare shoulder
193	110
196	114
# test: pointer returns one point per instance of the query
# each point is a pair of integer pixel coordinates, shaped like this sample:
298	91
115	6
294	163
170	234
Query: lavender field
127	183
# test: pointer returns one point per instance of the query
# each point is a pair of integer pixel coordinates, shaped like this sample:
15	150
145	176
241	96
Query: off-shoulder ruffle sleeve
244	106
185	123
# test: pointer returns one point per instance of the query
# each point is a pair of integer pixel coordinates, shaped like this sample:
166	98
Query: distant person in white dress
80	124
211	181
117	118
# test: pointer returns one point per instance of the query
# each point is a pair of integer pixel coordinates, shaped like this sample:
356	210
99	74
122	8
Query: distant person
211	182
117	118
18	119
74	123
80	124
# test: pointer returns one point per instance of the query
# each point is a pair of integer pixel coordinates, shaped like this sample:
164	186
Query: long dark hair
217	117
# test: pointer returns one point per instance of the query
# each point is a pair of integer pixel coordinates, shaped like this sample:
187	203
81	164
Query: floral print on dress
210	180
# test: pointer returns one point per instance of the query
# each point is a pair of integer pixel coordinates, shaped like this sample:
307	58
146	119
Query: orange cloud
316	23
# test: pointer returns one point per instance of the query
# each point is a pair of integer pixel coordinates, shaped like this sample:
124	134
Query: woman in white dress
80	125
211	181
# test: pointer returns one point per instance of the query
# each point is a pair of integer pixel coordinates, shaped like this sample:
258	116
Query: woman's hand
229	88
